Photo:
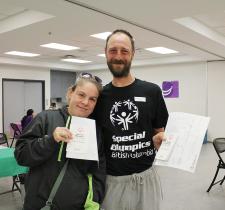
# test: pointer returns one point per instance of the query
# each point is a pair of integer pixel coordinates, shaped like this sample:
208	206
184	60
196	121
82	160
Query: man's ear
132	55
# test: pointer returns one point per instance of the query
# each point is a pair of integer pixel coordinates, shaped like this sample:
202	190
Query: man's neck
123	81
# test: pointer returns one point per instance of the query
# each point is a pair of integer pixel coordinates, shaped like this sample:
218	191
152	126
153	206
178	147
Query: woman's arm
99	176
35	146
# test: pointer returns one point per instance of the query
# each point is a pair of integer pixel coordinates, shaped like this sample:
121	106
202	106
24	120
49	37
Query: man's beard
118	73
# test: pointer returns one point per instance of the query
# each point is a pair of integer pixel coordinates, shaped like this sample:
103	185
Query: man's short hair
123	32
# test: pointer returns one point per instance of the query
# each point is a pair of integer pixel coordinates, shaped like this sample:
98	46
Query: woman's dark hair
30	112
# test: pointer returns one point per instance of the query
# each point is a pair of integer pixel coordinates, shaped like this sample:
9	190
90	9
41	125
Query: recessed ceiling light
59	46
73	60
101	55
25	54
161	50
103	35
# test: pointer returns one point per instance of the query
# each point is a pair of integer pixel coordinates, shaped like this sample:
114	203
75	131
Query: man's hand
158	138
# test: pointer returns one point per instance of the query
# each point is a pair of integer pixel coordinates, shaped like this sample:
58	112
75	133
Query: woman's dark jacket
37	149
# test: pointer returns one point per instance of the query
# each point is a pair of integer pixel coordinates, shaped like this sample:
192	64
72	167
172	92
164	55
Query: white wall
216	99
31	73
192	84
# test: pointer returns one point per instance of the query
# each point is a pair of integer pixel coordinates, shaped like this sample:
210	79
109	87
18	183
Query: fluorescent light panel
103	35
101	55
73	60
59	46
24	54
161	50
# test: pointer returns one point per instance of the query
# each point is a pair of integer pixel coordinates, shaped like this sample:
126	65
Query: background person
27	118
133	115
53	105
38	148
24	122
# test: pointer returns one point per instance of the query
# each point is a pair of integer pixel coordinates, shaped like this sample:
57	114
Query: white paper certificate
84	142
187	131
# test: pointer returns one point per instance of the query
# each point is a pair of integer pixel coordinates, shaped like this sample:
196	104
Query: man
133	115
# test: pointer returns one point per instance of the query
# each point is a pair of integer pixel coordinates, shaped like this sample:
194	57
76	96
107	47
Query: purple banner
170	89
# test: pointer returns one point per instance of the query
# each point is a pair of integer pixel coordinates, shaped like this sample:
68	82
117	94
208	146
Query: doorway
18	96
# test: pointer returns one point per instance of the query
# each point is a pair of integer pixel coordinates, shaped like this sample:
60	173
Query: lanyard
62	142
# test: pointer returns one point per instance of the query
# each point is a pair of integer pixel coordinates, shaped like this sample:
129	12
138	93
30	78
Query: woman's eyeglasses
88	75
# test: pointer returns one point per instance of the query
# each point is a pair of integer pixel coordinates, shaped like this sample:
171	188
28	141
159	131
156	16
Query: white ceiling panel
72	22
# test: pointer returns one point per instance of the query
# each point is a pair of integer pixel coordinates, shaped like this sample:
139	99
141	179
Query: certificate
84	142
184	137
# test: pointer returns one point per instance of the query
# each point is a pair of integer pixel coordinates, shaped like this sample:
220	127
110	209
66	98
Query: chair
219	145
16	132
3	139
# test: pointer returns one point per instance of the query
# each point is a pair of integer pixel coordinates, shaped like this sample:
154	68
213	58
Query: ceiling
27	24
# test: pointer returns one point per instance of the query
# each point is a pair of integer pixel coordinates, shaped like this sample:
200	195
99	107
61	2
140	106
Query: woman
27	118
38	148
24	122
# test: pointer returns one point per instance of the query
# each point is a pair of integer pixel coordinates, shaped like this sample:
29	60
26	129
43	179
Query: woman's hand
62	134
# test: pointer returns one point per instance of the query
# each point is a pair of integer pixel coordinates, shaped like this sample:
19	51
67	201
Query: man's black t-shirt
128	116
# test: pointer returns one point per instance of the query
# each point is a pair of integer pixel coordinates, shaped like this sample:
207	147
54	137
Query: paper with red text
84	143
188	132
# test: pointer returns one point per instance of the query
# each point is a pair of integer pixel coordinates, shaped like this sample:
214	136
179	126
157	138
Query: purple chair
16	132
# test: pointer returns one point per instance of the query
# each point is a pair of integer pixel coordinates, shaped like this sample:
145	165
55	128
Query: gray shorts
139	191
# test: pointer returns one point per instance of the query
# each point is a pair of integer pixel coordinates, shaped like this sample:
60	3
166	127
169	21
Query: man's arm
158	137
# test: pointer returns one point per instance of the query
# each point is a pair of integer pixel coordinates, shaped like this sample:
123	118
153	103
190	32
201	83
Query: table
9	166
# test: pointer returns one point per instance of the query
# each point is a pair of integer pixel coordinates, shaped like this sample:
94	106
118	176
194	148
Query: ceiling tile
212	19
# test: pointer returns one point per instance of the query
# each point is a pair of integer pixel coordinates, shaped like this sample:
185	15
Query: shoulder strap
60	176
55	187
